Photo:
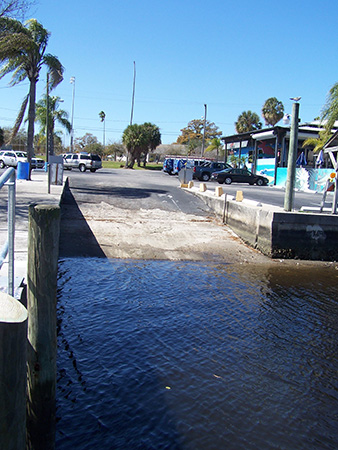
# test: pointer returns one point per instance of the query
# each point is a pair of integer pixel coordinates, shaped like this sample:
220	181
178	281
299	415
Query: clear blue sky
229	55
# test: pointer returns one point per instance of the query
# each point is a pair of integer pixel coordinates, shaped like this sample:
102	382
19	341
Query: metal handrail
9	178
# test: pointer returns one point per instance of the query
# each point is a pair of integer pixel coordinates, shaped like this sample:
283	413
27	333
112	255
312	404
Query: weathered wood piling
13	340
43	250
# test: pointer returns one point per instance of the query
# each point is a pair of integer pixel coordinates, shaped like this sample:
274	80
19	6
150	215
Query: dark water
172	355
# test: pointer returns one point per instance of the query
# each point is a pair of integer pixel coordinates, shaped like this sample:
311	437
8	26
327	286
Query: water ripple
179	355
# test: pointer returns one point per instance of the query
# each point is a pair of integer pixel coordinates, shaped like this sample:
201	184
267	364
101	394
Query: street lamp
72	81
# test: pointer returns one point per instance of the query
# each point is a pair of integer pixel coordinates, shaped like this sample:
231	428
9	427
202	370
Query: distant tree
194	146
330	109
153	139
95	148
216	144
2	138
139	139
248	121
272	111
23	53
134	139
18	142
55	116
102	116
14	8
83	142
114	148
195	129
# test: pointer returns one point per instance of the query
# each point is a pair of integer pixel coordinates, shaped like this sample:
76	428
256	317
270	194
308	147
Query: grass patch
117	165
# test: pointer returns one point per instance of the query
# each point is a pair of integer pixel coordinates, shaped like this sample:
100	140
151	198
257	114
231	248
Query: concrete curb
275	232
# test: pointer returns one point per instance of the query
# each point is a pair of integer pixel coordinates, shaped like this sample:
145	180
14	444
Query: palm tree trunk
31	119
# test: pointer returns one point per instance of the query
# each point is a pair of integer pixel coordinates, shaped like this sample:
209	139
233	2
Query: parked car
10	158
168	165
37	163
232	175
203	172
82	161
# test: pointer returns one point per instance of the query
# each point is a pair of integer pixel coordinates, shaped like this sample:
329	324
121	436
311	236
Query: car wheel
259	182
2	164
205	176
93	170
82	168
228	180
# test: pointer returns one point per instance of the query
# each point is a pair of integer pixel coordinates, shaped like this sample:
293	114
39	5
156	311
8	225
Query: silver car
82	161
11	158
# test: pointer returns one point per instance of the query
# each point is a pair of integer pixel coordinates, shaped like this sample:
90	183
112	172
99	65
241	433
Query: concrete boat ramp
267	234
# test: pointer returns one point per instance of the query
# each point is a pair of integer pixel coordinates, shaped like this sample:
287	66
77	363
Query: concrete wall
305	236
276	233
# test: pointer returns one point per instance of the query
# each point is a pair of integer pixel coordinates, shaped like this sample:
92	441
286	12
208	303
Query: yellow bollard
218	191
203	187
239	196
190	184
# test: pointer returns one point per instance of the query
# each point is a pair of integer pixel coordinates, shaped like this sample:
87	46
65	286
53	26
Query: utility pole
205	119
133	96
72	81
292	157
132	108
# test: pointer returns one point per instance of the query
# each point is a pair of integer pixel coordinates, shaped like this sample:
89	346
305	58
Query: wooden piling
13	373
43	251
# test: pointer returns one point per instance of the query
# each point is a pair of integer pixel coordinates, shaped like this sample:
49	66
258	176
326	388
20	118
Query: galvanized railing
9	178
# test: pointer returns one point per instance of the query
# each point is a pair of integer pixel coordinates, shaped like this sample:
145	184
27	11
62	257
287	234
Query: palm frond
9	26
55	69
65	123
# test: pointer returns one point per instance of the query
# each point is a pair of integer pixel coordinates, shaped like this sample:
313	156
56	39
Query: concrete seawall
275	232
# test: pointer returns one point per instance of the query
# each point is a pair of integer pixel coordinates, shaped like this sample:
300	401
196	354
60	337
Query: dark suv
82	161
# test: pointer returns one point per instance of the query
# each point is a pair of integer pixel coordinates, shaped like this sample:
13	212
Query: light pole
205	119
292	157
72	81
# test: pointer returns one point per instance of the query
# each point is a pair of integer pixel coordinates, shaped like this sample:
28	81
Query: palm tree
23	53
318	143
272	111
139	139
330	110
248	121
153	139
55	115
134	139
215	144
102	116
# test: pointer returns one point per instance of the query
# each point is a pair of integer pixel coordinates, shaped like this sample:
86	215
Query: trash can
23	171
